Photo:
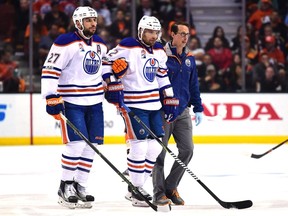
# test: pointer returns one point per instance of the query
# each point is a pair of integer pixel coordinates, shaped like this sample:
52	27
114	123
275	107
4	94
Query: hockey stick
238	205
165	208
270	150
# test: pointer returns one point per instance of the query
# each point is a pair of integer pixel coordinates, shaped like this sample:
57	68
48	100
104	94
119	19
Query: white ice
29	180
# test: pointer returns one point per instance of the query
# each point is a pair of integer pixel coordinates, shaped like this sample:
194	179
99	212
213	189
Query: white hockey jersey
73	69
147	73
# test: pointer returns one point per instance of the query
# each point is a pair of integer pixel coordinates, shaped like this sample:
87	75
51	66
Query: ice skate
67	195
128	196
85	200
137	200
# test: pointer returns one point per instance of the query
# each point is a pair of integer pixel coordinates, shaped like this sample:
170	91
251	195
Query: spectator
46	42
145	8
217	32
22	20
179	12
250	53
100	24
120	28
221	56
124	5
194	44
8	68
283	79
42	7
279	29
7	21
58	17
256	19
236	41
276	56
212	82
39	30
234	77
270	83
103	11
68	6
278	32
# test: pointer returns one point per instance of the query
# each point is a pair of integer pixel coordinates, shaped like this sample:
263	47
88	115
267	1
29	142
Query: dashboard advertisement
228	118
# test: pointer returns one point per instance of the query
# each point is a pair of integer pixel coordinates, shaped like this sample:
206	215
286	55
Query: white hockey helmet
148	22
83	12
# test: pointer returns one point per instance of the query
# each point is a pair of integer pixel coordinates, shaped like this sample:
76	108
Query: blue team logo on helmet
150	68
91	62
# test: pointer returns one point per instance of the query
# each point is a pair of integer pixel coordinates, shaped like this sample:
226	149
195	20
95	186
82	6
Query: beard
88	33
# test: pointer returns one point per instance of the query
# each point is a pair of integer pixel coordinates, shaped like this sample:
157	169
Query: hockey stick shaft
78	132
270	150
238	205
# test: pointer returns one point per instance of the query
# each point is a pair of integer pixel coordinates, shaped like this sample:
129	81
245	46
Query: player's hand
170	108
54	105
198	118
114	93
119	68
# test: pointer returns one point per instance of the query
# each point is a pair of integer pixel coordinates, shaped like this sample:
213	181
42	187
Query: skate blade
81	204
66	204
138	203
128	196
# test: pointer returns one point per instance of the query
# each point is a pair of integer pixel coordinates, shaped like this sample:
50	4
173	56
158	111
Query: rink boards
228	118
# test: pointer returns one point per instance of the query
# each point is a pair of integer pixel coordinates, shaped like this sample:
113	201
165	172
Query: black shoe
175	197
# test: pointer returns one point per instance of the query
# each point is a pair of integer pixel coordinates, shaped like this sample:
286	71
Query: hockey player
145	78
184	79
71	82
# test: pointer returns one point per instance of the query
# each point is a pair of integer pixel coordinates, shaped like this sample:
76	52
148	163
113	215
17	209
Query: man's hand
54	105
114	93
170	108
198	118
119	68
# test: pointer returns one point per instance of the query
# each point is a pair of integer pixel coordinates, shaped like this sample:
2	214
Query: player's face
150	36
181	37
89	24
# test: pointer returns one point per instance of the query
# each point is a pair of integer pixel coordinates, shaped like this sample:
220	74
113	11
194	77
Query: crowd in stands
219	61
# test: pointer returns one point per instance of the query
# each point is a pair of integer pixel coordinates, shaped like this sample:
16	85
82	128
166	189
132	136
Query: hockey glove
170	108
119	67
198	118
114	93
54	105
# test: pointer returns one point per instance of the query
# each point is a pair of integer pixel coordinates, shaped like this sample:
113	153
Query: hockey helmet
83	12
148	22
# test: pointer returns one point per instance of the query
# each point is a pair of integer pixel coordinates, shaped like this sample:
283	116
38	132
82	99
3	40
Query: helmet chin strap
140	38
82	33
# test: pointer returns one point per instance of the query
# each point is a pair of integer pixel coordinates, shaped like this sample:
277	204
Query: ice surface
30	176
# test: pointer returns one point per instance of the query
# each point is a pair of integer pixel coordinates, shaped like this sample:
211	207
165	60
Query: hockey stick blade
238	205
165	208
256	156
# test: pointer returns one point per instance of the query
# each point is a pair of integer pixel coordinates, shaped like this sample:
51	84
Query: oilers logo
150	68
91	62
188	62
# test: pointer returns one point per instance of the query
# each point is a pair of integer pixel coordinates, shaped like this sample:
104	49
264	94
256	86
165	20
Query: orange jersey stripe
140	97
137	167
